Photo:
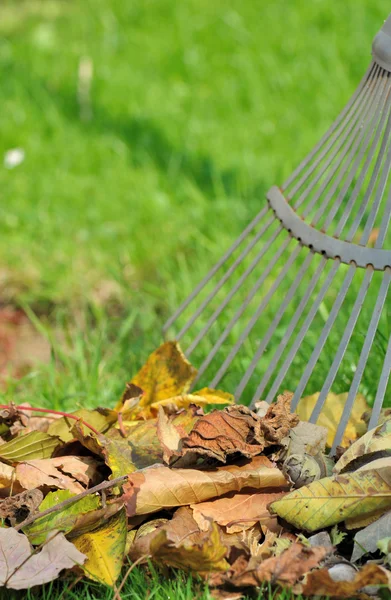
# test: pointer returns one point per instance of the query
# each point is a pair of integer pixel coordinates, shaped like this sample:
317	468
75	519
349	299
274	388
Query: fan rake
301	296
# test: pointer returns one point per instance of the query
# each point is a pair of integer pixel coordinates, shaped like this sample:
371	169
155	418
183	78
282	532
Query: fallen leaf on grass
152	489
284	570
63	520
180	543
236	512
320	583
331	415
20	568
166	373
51	472
334	499
205	555
29	446
104	548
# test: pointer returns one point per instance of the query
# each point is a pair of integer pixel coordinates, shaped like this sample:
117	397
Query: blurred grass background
130	191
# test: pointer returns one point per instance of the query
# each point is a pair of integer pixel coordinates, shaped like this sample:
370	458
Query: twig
53	412
97	488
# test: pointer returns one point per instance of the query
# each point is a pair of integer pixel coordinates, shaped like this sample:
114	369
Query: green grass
197	108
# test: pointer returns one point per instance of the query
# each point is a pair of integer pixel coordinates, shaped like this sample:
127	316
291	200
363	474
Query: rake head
300	300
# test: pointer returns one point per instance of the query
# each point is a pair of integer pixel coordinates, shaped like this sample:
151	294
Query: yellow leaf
331	414
334	499
374	440
207	555
202	398
166	373
105	549
100	419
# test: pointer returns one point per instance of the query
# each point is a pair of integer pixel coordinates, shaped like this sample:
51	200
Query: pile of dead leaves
235	496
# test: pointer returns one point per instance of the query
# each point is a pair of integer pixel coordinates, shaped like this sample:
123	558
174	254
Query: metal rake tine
363	359
237	286
238	314
364	171
340	137
220	373
250	227
225	278
301	334
381	388
268	335
323	336
354	125
292	325
362	136
377	168
331	130
342	346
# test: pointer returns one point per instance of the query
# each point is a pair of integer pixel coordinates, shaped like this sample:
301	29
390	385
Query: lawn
151	132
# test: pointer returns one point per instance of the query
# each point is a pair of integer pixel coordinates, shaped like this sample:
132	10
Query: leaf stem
52	412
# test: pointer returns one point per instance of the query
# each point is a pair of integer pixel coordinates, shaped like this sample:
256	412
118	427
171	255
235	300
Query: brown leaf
278	420
236	512
20	568
155	488
235	429
170	435
17	508
284	570
50	472
166	373
319	583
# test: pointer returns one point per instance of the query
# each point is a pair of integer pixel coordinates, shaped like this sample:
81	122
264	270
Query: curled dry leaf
236	512
375	440
152	489
20	568
334	499
320	583
285	570
180	543
166	373
202	398
278	420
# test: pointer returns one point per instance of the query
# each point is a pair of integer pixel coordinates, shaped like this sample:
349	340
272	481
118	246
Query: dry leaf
375	440
331	415
166	373
333	499
319	583
152	489
51	472
17	508
236	512
221	433
105	549
21	569
278	420
202	398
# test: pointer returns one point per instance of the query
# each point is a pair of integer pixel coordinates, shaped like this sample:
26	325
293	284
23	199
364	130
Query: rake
301	296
